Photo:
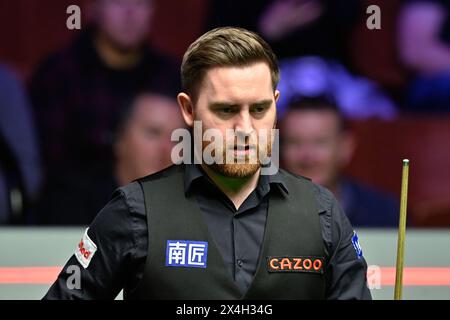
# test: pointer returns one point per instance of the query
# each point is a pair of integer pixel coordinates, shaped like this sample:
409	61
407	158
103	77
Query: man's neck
113	56
236	189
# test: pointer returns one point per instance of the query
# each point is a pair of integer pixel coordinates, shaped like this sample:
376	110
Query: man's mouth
243	150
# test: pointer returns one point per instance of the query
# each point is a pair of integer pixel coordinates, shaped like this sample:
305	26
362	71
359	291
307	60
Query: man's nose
244	124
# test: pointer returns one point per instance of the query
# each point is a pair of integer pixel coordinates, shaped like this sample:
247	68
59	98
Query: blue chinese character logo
182	253
356	245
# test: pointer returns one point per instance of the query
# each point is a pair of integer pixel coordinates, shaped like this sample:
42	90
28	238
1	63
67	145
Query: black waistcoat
292	256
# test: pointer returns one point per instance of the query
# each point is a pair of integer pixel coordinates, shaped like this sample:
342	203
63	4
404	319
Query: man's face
314	146
241	99
124	22
144	145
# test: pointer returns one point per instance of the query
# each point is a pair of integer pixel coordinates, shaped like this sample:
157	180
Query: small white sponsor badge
85	250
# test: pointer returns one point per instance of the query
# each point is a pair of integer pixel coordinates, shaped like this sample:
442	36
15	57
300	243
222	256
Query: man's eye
227	110
259	109
152	132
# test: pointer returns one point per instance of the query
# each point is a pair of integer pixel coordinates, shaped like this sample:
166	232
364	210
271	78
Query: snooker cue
401	232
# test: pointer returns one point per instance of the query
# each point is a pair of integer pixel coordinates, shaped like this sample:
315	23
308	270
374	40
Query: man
317	143
142	146
221	230
79	93
144	143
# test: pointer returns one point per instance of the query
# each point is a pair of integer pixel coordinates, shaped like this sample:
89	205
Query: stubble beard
244	169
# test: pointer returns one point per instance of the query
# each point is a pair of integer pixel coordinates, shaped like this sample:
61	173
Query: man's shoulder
293	178
162	174
133	192
324	197
62	64
67	61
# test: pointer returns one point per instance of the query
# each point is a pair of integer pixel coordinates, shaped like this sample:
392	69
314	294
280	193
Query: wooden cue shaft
401	232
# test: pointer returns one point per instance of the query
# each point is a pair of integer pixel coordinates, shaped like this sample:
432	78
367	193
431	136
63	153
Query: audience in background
144	143
79	92
294	27
20	170
309	27
317	143
357	97
310	38
372	47
424	47
142	146
92	141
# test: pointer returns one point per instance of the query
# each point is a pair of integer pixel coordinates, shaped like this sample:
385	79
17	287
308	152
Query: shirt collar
194	172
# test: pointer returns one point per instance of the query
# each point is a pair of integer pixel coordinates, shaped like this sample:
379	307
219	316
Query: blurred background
85	111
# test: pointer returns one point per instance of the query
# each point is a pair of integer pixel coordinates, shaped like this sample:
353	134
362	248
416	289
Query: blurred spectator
309	27
293	27
142	146
357	97
316	143
312	39
373	53
79	92
424	44
20	171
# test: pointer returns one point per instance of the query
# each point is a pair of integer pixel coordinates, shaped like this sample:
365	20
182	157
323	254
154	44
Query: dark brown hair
318	103
226	46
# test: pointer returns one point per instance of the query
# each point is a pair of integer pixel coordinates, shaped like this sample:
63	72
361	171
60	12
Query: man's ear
277	95
187	108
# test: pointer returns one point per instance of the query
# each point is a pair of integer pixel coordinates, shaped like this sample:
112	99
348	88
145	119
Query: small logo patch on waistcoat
295	264
183	253
85	250
357	246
